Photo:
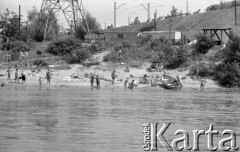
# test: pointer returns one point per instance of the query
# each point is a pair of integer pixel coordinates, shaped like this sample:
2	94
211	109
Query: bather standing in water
16	76
98	82
92	80
202	84
48	76
125	83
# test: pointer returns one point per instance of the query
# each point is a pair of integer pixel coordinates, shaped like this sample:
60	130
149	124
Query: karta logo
152	137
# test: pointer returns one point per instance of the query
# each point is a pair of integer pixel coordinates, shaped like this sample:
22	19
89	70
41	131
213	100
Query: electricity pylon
73	12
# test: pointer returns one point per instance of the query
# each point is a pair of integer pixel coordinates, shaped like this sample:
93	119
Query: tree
37	25
136	21
204	43
10	24
174	12
89	23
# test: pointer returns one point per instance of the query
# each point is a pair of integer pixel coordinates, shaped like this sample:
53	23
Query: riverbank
78	76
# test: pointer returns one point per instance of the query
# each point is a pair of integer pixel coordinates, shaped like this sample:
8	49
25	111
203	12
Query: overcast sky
103	9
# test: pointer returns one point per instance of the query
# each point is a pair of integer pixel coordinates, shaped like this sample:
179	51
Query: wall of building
120	36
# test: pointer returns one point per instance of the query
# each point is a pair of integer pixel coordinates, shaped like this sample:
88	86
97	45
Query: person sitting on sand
125	83
113	77
202	84
98	82
127	69
92	80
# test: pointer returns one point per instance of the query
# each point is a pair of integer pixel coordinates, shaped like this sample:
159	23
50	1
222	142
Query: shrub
232	50
204	43
205	70
170	56
112	56
18	46
228	75
63	47
40	63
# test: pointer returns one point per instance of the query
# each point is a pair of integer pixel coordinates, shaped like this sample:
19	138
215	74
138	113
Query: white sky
102	10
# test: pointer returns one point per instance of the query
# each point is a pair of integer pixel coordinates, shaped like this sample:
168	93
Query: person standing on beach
98	82
40	81
16	76
92	80
48	76
113	77
9	73
125	83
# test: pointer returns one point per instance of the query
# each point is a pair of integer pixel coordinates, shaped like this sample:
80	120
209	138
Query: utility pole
115	13
155	24
148	10
19	21
235	12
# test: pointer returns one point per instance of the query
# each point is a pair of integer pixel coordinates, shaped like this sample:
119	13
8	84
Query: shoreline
77	77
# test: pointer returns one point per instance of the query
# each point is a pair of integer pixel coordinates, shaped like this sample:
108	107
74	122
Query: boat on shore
169	82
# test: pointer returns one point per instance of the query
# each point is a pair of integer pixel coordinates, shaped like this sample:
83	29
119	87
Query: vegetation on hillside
71	50
224	5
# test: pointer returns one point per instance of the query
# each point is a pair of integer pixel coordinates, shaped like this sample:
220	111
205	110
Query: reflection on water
71	120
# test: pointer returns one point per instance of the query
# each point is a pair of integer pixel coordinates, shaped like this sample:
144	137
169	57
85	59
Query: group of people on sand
129	85
97	78
22	76
16	76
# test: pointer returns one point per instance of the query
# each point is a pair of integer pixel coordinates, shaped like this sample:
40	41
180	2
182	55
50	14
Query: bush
170	56
205	70
228	75
204	43
40	63
232	50
18	46
112	56
63	47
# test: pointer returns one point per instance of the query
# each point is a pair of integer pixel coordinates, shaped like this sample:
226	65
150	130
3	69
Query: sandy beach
78	75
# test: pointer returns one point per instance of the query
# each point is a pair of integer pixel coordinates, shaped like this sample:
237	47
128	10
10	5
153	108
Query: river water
61	119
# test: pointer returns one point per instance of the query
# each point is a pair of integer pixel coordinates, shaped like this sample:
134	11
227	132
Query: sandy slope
104	70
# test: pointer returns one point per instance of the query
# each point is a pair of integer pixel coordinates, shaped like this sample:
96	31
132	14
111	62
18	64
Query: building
175	36
120	36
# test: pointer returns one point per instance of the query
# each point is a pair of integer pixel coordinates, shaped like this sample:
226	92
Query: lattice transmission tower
72	10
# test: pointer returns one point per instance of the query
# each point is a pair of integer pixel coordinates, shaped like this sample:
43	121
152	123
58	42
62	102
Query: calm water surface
54	119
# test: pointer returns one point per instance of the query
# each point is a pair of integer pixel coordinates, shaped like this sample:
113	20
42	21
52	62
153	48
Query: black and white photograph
119	75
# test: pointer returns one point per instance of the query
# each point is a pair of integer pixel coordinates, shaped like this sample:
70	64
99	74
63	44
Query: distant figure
125	83
9	73
127	69
92	80
40	81
202	84
48	76
131	85
3	84
179	84
98	82
113	77
16	76
23	77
